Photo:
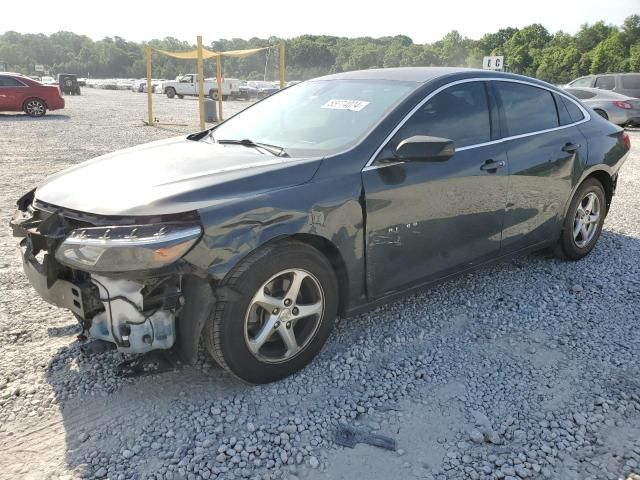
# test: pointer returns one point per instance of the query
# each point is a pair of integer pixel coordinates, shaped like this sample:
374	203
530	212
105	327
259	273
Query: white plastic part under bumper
123	321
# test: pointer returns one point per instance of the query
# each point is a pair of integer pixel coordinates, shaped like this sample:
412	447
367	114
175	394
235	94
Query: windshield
316	118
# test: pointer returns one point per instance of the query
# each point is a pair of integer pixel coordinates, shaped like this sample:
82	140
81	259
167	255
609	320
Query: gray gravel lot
528	369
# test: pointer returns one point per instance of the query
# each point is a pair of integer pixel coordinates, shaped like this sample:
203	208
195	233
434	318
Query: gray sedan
616	108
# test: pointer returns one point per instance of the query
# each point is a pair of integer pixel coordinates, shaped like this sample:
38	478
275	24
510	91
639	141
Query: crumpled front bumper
58	292
136	313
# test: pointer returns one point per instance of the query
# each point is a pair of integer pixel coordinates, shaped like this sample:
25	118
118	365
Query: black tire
567	247
180	96
171	92
602	113
34	107
213	94
224	332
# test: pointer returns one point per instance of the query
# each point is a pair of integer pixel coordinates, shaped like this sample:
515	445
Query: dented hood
171	176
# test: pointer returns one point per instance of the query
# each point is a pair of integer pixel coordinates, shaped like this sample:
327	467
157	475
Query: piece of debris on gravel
525	370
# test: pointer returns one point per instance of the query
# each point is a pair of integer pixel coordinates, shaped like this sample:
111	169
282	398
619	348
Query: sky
424	21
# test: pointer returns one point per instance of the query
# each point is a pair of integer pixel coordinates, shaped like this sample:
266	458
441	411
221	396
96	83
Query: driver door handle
492	166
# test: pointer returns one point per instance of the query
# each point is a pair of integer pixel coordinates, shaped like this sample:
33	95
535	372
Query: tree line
555	57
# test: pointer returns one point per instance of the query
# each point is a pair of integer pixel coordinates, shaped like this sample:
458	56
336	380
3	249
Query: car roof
407	74
13	74
426	74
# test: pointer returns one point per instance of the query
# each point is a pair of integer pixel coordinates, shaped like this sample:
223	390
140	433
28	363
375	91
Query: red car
20	93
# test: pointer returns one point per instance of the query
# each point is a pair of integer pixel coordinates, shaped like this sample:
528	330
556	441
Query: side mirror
424	148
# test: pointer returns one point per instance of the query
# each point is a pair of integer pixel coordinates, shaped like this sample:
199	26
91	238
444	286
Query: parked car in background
187	85
263	89
327	198
21	93
82	82
68	83
46	80
158	85
247	92
623	83
124	84
138	86
619	109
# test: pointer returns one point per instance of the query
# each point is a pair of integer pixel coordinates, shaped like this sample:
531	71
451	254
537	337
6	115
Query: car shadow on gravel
23	117
103	416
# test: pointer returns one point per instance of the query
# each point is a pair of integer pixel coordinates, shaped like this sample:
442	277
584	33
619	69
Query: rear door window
526	108
574	111
606	82
10	82
563	113
568	112
459	113
631	81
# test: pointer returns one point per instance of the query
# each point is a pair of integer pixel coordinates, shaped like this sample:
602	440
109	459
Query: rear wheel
584	220
213	94
171	92
34	107
274	313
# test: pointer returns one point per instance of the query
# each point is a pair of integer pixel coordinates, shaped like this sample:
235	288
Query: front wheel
35	107
584	220
274	312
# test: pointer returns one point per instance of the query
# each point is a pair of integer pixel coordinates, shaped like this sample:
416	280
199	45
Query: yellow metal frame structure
200	54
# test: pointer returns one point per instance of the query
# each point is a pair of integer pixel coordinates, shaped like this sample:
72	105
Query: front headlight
127	248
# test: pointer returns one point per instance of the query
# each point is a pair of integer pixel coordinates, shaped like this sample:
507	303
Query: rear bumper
55	103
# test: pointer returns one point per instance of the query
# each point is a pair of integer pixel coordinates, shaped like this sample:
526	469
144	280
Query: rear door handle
571	147
492	166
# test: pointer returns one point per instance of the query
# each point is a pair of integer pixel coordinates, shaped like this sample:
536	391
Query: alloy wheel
284	316
35	108
586	220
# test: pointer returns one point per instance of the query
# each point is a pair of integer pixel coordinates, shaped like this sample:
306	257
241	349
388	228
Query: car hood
171	176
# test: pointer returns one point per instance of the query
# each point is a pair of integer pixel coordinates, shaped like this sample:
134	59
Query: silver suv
624	83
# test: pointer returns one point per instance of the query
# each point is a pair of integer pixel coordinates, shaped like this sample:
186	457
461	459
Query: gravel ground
525	370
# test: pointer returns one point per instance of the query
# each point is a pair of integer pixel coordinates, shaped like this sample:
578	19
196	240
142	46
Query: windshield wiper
273	149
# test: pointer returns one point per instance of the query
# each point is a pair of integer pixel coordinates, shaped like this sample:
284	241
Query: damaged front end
122	277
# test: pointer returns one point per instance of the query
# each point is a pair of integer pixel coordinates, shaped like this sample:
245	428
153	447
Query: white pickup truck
188	85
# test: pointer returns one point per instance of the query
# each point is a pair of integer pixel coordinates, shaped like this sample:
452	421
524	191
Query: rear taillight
626	140
625	105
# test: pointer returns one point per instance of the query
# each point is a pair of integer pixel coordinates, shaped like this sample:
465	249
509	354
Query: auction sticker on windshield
353	105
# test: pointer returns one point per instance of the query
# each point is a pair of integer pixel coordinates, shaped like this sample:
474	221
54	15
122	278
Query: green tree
609	56
589	36
531	50
630	35
558	65
634	58
522	50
